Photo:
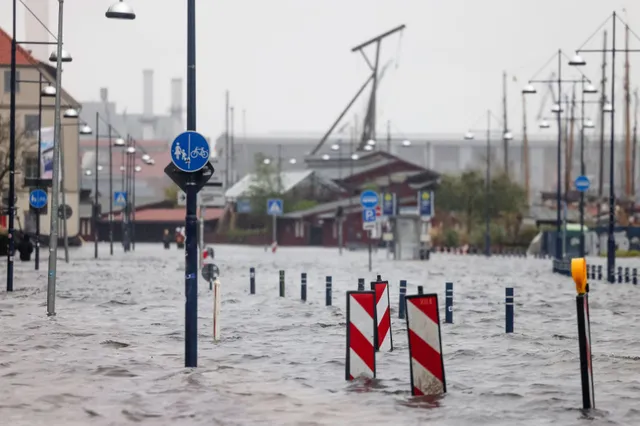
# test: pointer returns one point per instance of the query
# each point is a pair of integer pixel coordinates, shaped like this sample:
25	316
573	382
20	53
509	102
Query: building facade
29	119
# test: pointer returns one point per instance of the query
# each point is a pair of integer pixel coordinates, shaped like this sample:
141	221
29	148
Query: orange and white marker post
217	304
425	345
579	275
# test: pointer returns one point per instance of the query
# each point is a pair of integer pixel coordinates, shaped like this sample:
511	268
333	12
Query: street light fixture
138	168
335	147
368	148
131	150
577	61
48	91
325	157
529	89
406	142
590	88
371	142
607	107
293	161
556	108
86	130
588	124
354	156
150	162
267	161
544	124
65	57
119	142
71	113
146	157
508	136
469	136
120	10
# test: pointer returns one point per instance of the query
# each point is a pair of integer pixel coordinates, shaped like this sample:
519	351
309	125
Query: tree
23	144
171	193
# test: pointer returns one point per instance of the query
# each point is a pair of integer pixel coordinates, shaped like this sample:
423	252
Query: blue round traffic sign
38	198
369	199
582	183
190	151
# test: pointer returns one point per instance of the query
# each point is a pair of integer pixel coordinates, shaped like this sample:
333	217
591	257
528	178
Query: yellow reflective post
579	274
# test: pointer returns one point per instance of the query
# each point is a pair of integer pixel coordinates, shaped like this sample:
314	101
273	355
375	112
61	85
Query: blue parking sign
425	204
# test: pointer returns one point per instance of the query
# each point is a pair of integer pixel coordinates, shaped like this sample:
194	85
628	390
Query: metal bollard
509	309
252	280
599	272
403	293
328	292
303	286
448	302
626	275
420	290
281	283
378	278
360	284
634	276
619	274
589	271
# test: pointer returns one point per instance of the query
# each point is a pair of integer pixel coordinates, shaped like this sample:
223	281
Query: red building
380	171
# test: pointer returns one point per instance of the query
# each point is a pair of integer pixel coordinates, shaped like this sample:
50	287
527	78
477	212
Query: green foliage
624	253
451	238
241	235
477	235
371	186
303	205
171	194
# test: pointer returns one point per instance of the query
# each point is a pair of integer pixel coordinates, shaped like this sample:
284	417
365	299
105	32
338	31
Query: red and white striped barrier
425	345
361	353
384	339
274	247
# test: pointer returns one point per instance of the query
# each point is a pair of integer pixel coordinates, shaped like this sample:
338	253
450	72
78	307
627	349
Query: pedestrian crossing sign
120	198
275	207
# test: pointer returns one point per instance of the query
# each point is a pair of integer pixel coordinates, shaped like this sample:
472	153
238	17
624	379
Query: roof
23	57
169	215
290	180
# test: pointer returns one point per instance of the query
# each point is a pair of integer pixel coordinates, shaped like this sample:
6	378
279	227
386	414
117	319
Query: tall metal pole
603	99
53	228
505	129
226	140
611	242
95	195
582	169
559	253
133	197
63	193
232	144
487	235
110	193
12	156
37	263
191	228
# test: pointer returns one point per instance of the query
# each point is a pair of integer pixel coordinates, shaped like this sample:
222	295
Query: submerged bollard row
626	274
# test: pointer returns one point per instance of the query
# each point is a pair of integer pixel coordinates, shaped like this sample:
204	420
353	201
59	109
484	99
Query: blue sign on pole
369	199
120	198
190	151
388	204
38	198
425	204
243	205
582	183
275	207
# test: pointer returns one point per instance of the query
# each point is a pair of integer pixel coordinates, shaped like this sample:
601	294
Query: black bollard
328	292
360	284
509	309
619	274
448	301
252	280
420	290
634	276
626	275
600	272
303	286
589	271
281	283
378	278
401	302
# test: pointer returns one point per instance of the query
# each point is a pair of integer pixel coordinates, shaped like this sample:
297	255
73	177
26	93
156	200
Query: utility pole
603	99
505	141
226	141
232	142
525	148
627	110
569	147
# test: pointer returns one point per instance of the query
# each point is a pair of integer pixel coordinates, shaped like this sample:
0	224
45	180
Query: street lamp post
611	242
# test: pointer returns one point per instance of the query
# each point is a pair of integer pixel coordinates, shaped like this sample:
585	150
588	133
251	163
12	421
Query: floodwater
113	355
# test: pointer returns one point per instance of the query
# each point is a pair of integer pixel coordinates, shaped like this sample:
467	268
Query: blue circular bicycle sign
190	151
38	198
369	199
582	183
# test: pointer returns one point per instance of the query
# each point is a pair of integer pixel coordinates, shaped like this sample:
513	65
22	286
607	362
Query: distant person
166	239
25	247
179	240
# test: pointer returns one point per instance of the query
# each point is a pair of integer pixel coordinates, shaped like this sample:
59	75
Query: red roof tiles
23	57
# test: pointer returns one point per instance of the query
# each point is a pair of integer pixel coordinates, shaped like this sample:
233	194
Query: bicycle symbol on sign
199	152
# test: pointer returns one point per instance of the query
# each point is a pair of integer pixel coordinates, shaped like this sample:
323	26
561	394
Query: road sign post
120	198
190	170
275	208
38	198
369	202
582	184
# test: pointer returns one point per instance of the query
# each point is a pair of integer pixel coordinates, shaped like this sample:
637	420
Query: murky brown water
114	353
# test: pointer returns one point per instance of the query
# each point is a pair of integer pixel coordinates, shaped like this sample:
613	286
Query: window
7	81
31	122
30	165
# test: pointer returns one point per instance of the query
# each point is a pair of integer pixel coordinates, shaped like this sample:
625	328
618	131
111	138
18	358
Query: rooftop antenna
369	127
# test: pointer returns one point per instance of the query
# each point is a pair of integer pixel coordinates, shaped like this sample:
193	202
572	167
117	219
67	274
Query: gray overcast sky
289	64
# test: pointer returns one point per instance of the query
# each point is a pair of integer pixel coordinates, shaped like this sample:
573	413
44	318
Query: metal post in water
252	280
626	274
634	276
509	309
448	303
360	284
303	286
420	290
55	190
281	283
619	274
191	225
401	299
328	292
370	251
